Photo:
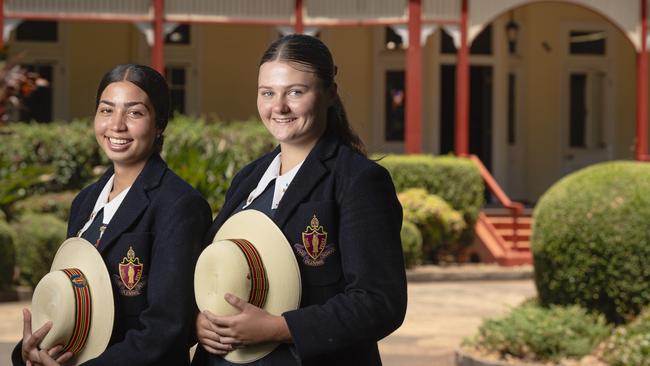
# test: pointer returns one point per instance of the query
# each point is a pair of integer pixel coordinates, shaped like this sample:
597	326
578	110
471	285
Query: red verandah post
157	60
413	127
461	142
642	89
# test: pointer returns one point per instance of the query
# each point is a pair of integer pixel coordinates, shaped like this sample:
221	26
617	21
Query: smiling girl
145	221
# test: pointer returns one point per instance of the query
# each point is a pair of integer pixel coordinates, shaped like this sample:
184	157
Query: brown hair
317	58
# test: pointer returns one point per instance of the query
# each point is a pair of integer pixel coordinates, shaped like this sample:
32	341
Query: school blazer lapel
135	202
309	176
241	191
86	206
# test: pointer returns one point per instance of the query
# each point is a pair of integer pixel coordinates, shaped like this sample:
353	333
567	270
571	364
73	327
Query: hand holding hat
243	282
30	351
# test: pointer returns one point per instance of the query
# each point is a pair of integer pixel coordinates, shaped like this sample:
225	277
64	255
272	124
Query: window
395	103
37	31
512	102
393	41
176	77
180	35
587	42
38	105
482	44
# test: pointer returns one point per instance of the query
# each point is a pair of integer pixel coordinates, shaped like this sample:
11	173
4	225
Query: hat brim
79	253
281	266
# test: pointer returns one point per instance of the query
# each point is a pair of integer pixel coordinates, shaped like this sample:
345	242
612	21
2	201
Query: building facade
536	89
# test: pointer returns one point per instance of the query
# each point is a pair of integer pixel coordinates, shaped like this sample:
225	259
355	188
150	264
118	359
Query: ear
332	92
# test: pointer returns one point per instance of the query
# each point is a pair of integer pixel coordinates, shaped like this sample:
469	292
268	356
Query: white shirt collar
109	207
281	182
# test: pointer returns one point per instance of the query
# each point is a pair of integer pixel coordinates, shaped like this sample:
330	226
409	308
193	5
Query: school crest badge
130	270
314	244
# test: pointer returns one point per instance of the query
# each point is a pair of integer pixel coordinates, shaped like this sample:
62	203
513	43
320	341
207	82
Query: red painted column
2	24
299	25
461	143
157	59
642	90
413	127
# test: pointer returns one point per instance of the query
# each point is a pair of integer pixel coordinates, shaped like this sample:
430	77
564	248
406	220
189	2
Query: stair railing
515	208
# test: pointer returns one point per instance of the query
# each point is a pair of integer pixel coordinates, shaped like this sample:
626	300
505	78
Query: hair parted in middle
314	56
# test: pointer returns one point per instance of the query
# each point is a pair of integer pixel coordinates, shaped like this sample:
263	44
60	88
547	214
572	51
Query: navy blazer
164	220
354	293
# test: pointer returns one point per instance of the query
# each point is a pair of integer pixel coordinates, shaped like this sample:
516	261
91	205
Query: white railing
356	9
241	9
41	7
441	9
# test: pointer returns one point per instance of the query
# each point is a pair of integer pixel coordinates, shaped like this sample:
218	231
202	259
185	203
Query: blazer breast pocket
131	275
314	238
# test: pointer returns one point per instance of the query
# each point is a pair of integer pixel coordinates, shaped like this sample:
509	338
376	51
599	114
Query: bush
57	204
630	344
7	254
411	244
208	155
590	241
440	225
534	333
38	237
456	180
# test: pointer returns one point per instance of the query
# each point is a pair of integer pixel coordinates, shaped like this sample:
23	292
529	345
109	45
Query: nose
280	105
117	122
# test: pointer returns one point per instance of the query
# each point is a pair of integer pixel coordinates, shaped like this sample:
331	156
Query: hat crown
52	300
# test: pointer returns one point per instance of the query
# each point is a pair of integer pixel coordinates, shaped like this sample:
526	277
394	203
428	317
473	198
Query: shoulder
351	167
262	161
173	188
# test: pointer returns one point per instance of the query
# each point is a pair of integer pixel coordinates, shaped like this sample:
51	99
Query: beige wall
545	105
93	50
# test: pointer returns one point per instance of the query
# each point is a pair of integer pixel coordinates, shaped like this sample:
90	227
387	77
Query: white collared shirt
109	207
281	182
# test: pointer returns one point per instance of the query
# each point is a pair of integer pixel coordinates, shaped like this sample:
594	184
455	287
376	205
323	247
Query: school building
535	89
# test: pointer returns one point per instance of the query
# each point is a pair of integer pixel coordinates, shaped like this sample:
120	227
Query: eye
266	93
136	113
104	110
295	92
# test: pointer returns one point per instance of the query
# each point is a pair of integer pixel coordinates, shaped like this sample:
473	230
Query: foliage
38	236
16	83
590	240
208	155
630	344
57	203
534	333
440	225
7	254
411	244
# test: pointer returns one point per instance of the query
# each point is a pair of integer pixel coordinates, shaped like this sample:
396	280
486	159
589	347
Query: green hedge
441	226
591	242
57	203
54	157
38	236
456	180
7	254
534	333
630	344
411	244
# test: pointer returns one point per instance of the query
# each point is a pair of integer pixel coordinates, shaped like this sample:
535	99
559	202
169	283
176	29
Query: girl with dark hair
318	179
138	212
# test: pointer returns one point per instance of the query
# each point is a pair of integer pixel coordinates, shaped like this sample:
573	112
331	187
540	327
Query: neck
125	175
292	155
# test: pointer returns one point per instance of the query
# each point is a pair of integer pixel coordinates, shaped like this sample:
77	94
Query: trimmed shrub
456	180
7	254
630	344
38	236
54	203
534	333
411	244
590	241
440	225
208	155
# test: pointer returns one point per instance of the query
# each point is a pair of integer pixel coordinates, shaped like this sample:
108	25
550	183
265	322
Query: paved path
439	316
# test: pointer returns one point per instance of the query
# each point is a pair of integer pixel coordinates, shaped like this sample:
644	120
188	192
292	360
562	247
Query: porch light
512	33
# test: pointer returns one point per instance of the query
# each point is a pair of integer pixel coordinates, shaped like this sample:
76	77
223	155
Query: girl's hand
251	326
209	339
30	352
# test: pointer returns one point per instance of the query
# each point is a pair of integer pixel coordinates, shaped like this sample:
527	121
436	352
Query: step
501	211
501	222
510	231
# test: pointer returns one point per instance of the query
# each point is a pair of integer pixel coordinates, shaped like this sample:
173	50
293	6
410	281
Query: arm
167	321
373	303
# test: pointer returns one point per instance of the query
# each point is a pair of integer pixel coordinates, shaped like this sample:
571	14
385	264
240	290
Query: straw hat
78	298
250	258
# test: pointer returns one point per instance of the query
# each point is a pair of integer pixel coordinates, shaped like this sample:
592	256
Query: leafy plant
630	344
411	244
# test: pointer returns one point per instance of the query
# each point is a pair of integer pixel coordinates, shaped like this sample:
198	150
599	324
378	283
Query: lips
118	144
284	119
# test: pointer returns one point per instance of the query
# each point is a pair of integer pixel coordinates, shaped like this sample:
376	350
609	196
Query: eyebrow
287	87
127	104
